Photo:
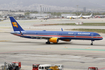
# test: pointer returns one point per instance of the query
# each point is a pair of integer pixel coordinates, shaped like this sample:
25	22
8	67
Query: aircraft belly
79	38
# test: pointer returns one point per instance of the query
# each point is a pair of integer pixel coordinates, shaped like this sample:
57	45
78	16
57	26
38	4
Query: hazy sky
62	3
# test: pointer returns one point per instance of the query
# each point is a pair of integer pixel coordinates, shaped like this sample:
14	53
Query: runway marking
84	49
3	41
15	52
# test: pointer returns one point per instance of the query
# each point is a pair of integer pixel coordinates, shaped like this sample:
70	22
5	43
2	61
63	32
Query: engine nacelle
71	18
53	40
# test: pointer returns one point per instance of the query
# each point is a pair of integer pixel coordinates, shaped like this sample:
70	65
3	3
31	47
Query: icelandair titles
81	33
84	33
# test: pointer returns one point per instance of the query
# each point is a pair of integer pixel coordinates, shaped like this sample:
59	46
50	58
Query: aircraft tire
47	42
91	43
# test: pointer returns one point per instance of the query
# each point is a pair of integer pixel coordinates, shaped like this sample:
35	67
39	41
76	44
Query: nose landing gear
92	42
48	42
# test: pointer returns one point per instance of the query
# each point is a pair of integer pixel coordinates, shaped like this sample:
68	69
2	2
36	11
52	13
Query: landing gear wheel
91	42
47	42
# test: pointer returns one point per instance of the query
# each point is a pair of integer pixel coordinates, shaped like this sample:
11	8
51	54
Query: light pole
40	9
77	9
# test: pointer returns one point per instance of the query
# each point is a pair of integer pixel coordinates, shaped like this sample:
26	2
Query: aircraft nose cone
101	37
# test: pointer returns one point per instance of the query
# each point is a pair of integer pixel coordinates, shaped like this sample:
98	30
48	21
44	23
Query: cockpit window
97	35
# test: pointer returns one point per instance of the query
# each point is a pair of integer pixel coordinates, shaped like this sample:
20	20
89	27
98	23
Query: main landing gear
48	42
91	42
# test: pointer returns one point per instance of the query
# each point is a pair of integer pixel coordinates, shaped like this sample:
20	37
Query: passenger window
97	35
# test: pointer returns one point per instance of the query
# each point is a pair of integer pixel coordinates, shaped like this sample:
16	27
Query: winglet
15	25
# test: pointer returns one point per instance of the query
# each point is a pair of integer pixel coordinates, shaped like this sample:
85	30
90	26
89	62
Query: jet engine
53	40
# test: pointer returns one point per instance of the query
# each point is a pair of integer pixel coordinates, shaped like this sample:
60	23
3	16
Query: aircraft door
92	35
75	34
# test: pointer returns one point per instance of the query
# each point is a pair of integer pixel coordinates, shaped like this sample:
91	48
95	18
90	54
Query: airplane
53	36
74	17
99	16
87	16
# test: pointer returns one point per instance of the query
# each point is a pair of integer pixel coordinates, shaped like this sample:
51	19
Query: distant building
6	12
17	15
84	9
39	16
43	8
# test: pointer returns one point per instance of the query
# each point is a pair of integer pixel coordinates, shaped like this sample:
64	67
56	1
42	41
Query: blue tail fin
15	25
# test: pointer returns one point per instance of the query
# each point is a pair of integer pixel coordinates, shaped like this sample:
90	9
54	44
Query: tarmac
74	55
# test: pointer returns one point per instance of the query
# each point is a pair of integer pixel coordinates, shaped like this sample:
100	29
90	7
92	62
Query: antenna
61	29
